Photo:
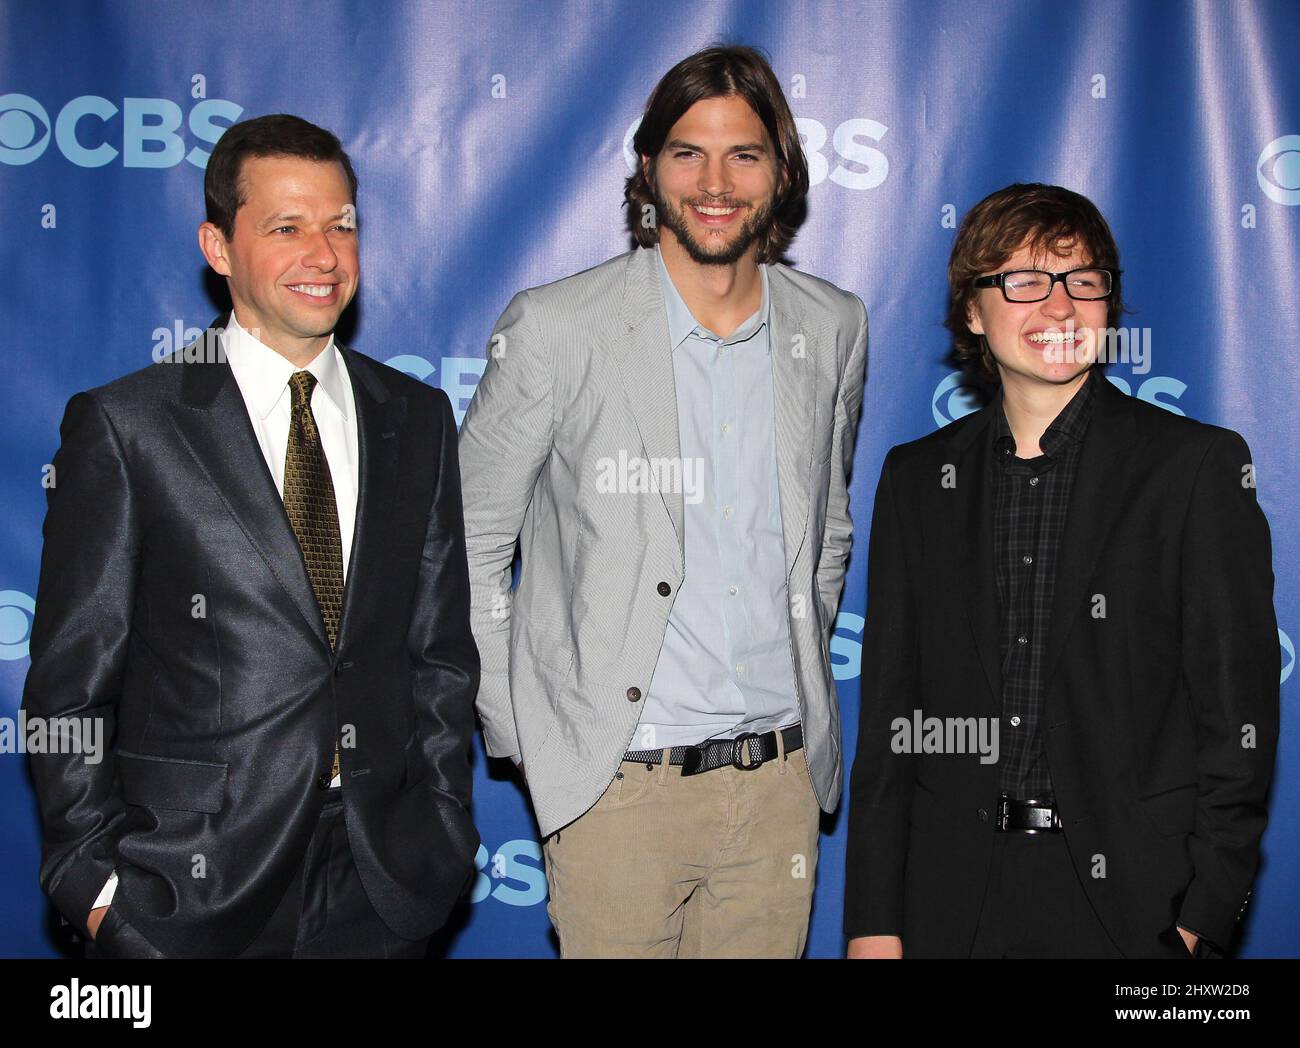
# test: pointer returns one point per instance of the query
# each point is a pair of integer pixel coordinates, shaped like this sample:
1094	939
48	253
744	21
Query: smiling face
715	181
291	262
1049	342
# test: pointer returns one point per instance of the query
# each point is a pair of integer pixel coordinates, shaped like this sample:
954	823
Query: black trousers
324	913
1035	906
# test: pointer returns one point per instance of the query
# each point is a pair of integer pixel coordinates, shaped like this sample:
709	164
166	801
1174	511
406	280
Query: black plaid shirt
1030	498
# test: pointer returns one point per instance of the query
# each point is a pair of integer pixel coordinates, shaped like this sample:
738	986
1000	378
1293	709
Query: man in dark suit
1070	670
254	572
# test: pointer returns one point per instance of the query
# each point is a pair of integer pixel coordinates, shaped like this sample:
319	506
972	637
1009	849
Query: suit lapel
646	365
378	447
212	422
1106	469
794	387
970	537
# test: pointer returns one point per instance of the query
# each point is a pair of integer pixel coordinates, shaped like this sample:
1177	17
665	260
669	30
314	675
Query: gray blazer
581	370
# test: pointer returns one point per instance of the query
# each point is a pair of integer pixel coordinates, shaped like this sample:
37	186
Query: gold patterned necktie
313	513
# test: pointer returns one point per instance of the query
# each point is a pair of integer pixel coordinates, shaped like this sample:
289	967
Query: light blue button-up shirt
726	665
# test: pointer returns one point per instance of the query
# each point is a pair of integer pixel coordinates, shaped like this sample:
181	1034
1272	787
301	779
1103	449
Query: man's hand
95	919
875	947
1189	939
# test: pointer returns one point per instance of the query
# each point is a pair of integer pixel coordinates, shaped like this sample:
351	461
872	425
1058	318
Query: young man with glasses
1085	580
669	436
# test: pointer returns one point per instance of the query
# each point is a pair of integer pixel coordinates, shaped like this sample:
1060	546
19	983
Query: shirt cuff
105	895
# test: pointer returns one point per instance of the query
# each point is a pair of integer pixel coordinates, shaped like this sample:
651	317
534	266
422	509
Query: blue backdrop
492	140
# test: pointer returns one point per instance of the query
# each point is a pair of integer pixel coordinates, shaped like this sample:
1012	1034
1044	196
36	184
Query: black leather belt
746	751
1031	816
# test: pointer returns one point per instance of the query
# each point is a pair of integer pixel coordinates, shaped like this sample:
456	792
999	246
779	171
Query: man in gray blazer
669	436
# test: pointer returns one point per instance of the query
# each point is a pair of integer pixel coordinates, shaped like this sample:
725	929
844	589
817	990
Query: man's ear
973	320
213	245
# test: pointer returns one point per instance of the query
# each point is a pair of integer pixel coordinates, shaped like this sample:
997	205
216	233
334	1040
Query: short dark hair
276	135
718	72
1045	218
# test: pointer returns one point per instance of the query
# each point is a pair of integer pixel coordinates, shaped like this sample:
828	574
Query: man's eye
684	153
284	229
345	227
746	156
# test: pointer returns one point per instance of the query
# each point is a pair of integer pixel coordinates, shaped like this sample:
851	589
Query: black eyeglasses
1034	285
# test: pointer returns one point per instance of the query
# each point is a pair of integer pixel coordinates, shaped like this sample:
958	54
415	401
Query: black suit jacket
1162	658
174	603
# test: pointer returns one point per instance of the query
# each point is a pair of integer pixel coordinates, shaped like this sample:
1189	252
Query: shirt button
727	511
726	427
1022	639
1015	722
1028	559
664	589
984	815
732	590
740	667
1033	482
633	694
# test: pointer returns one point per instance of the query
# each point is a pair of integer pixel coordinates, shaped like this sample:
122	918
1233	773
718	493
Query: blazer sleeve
505	441
1231	667
881	783
444	658
79	645
837	537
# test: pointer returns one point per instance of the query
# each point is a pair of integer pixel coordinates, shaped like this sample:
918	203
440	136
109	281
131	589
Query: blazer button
984	815
633	694
323	781
664	589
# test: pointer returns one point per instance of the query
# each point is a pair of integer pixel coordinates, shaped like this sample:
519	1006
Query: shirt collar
682	323
264	374
1070	424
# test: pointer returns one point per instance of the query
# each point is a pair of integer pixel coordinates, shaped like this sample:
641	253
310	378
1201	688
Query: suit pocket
169	782
1173	811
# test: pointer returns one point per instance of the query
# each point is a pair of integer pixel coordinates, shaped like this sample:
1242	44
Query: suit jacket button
633	694
323	781
664	589
984	815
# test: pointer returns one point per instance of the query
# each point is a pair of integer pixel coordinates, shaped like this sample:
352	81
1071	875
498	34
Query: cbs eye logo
1278	170
953	398
21	140
16	611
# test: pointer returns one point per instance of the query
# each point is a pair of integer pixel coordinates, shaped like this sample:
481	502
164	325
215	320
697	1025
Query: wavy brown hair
1044	218
718	72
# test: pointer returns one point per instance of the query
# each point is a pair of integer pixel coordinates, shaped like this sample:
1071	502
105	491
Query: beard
756	225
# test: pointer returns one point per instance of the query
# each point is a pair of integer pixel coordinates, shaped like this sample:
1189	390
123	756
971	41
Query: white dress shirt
262	375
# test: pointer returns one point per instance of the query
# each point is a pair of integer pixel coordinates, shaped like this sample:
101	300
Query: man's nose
319	254
715	180
1058	305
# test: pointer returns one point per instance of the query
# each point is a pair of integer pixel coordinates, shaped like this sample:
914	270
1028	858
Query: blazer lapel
645	362
212	422
378	447
794	398
970	537
1106	471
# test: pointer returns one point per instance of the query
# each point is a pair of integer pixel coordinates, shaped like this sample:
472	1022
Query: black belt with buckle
1031	816
746	751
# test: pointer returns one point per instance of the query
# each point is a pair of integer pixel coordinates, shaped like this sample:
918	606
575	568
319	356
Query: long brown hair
718	72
